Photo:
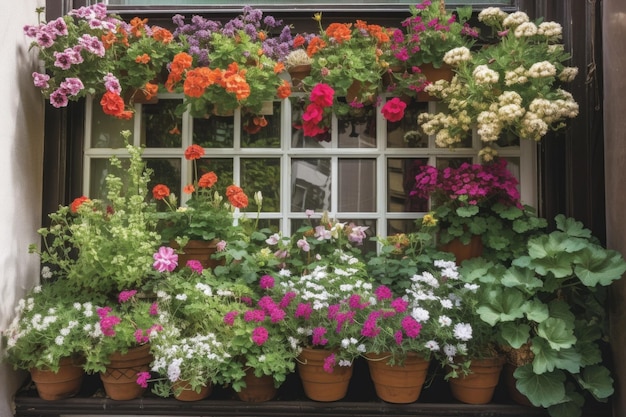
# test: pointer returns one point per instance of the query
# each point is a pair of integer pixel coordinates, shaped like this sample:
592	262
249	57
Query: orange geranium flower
137	25
143	59
108	40
162	35
341	32
234	81
160	191
180	63
279	67
194	152
150	90
315	45
262	36
207	180
78	202
112	104
198	79
284	90
189	189
236	196
298	41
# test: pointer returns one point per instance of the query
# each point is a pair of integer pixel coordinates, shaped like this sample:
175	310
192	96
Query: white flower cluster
484	75
492	16
550	30
515	19
525	30
517	76
456	56
542	69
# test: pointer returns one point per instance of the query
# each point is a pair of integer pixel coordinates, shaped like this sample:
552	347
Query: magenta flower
154	309
303	310
126	295
370	327
383	293
165	259
195	266
142	379
229	318
266	282
318	338
398	337
411	327
254	315
286	300
399	305
259	335
393	110
322	95
329	363
41	80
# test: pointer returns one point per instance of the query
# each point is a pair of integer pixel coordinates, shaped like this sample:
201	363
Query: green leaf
597	265
597	380
543	390
467	211
521	277
570	407
477	269
536	311
557	333
502	304
572	227
515	334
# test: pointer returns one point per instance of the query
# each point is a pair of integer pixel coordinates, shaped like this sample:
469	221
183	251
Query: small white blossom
515	19
46	273
525	30
181	297
484	75
463	331
432	345
456	56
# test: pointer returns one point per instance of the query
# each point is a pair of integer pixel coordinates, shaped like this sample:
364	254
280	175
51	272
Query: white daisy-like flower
420	314
345	363
432	345
181	297
463	331
59	340
484	75
551	30
449	350
46	273
444	321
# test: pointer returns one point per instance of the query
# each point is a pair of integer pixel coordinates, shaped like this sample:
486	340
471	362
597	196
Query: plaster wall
614	57
21	150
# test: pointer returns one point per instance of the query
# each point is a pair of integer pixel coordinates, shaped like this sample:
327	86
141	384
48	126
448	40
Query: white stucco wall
21	170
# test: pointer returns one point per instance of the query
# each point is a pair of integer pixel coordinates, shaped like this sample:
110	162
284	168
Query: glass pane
400	226
165	171
255	135
214	131
262	175
359	129
507	139
406	133
357	185
105	129
513	165
223	168
400	181
160	126
310	184
290	2
298	140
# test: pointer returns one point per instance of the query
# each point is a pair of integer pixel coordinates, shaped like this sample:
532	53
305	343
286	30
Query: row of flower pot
398	384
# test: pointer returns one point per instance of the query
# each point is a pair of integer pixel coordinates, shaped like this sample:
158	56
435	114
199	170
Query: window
364	173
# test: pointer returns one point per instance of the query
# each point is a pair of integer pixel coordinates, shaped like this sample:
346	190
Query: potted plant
49	336
346	73
91	52
550	305
511	85
230	66
196	226
262	342
476	207
103	247
193	353
417	49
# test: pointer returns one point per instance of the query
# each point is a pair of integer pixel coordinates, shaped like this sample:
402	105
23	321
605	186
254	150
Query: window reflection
357	185
406	133
400	182
160	126
310	184
214	131
262	174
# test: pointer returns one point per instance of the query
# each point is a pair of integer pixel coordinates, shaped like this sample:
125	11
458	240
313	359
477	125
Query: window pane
165	171
160	126
310	184
254	135
357	185
400	181
298	140
105	130
507	139
452	162
406	133
214	131
358	131
260	174
223	168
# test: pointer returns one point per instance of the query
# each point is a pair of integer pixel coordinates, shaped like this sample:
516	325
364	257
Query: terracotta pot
199	250
463	252
355	93
433	74
510	383
184	392
478	386
120	377
258	389
398	384
318	384
59	385
388	77
298	73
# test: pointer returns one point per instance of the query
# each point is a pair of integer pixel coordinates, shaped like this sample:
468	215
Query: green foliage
552	298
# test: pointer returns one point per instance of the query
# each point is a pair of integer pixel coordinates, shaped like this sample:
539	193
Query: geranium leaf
536	311
515	334
543	390
557	333
597	380
514	277
572	227
596	265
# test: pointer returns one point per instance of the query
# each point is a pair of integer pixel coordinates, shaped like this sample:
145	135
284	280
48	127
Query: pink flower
154	309
393	110
411	327
195	266
398	337
221	245
254	315
286	300
165	259
259	335
229	318
126	295
322	95
329	363
383	293
303	310
318	338
142	379
370	327
399	305
266	282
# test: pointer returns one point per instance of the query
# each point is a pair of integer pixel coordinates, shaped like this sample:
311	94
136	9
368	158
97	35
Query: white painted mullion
285	166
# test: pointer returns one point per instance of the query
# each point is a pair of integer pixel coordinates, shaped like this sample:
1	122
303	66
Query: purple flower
112	84
165	259
72	86
357	234
41	80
